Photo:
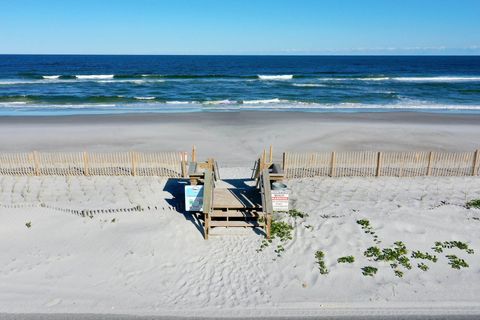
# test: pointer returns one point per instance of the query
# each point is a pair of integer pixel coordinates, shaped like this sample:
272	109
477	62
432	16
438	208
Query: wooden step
235	214
236	198
251	224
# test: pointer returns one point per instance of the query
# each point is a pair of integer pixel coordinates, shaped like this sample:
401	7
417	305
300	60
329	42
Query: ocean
103	84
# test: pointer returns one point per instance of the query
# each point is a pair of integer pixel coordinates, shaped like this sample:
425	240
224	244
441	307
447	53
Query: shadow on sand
176	187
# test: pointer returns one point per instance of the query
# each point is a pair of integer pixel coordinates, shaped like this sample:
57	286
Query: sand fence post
379	164
184	164
271	154
429	166
332	164
36	163
284	161
194	154
85	164
476	156
133	158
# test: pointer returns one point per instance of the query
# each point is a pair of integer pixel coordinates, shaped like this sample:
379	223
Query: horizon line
248	54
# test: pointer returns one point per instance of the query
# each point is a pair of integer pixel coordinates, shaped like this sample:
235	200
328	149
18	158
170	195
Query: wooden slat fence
371	164
164	164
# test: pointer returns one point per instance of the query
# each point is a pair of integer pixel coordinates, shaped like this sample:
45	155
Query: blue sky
240	26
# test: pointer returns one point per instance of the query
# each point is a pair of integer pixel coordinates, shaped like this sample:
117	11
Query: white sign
280	200
193	198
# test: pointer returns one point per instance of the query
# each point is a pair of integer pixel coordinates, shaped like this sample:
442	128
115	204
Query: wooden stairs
229	207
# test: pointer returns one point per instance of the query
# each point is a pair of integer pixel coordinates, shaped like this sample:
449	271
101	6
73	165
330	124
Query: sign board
193	198
280	200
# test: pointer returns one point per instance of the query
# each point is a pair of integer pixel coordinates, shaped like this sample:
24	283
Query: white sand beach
237	138
155	262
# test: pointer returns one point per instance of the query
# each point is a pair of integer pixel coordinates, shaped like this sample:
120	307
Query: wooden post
429	167
266	195
207	201
284	160
194	154
134	163
379	164
271	154
332	165
36	163
268	227
85	163
476	160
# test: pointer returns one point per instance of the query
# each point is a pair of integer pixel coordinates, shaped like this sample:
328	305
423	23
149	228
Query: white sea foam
181	102
356	79
134	81
13	82
437	79
265	101
95	76
374	79
221	102
13	103
307	85
50	77
276	77
145	98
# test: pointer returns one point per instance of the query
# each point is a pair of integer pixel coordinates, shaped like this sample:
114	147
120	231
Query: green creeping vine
473	204
368	229
347	259
439	246
369	271
279	230
320	256
456	262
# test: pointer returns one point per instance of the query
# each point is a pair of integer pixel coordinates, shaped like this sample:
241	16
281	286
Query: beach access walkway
244	205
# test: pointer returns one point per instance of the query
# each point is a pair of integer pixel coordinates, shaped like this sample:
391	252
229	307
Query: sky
240	26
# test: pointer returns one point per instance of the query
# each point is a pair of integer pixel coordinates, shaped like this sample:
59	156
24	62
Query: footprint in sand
53	302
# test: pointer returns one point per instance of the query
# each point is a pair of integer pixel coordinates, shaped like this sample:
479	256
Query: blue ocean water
89	84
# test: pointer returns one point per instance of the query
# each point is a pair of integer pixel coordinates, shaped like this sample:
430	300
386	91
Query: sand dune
156	262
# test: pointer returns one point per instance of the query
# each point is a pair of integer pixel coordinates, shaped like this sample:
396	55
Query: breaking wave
275	77
95	76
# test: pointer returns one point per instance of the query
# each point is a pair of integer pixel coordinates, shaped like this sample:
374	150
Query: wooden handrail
266	194
208	187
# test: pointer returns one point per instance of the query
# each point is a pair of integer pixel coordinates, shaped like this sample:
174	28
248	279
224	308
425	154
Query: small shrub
369	271
347	259
28	224
473	204
320	256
